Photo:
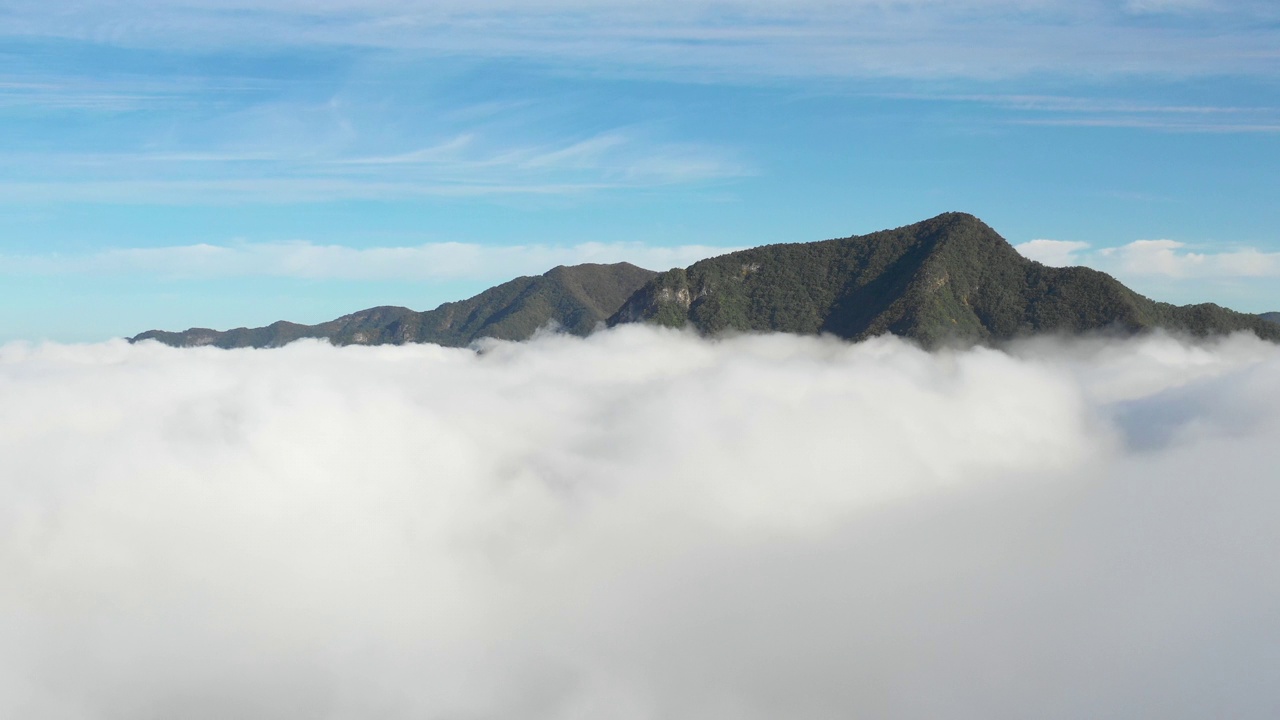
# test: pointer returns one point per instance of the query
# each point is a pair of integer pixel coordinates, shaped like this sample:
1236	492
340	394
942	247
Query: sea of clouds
642	524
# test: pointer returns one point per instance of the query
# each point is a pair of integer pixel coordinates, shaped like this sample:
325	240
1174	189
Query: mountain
948	279
577	298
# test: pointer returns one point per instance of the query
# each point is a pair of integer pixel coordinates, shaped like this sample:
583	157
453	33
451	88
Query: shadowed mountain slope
948	279
577	298
1271	317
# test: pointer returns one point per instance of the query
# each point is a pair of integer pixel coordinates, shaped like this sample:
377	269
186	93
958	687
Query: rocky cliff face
665	299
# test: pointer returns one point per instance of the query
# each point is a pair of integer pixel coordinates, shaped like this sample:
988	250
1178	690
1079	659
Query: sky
640	524
223	163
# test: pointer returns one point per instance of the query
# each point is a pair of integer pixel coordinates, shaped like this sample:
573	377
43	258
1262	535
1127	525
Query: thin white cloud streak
1145	7
1075	104
275	190
431	261
1159	258
757	38
466	165
1157	124
613	157
639	525
119	93
1069	111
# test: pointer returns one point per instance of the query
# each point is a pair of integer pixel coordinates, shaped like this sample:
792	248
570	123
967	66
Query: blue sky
225	163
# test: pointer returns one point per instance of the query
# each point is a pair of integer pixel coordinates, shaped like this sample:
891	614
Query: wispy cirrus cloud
1154	123
1147	7
1085	111
300	259
614	155
226	138
467	165
107	90
894	38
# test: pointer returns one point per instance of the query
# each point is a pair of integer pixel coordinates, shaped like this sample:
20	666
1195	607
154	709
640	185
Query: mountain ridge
948	279
575	298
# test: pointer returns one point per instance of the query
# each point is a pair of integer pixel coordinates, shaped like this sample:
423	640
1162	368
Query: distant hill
1271	317
948	279
577	298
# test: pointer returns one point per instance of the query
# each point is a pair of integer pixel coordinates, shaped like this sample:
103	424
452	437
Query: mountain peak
951	219
951	278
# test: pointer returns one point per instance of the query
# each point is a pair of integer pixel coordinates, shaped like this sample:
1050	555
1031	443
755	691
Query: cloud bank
640	524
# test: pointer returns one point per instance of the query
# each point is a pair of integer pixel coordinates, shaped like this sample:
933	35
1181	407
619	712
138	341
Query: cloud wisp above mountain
306	260
751	38
640	524
1182	272
1167	258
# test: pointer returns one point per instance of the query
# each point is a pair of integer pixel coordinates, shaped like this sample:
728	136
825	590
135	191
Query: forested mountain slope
948	279
577	298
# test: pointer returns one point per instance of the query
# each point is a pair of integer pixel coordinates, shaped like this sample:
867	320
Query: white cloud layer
432	261
641	524
1165	258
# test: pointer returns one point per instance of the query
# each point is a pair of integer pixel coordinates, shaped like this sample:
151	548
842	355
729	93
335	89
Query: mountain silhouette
948	279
